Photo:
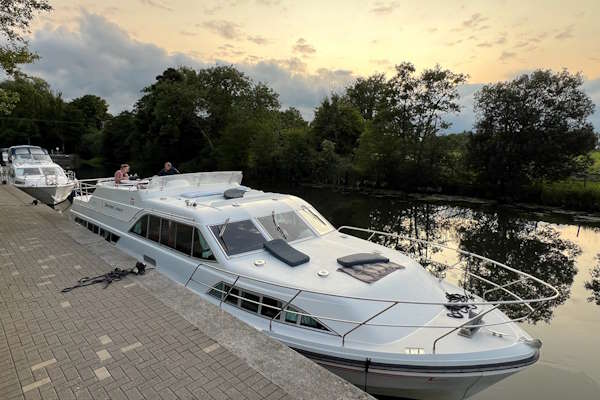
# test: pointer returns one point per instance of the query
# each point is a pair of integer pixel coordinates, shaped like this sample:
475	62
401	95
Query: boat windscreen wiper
222	232
277	225
223	228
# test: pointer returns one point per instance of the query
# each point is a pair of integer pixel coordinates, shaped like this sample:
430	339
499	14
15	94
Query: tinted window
28	171
291	317
251	305
167	233
287	225
183	241
238	237
311	323
141	226
201	249
153	228
270	307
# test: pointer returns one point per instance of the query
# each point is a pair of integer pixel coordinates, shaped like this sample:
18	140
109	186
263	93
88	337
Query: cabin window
201	249
183	242
265	306
311	323
291	317
288	226
28	172
270	307
153	228
315	220
233	296
217	291
141	226
251	305
238	237
167	233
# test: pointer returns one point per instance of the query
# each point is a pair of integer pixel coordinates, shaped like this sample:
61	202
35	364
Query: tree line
380	132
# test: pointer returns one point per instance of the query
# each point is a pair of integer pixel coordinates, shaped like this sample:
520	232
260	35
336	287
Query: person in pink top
122	173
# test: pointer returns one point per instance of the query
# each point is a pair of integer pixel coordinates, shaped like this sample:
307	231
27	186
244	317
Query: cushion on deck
234	193
286	253
362	259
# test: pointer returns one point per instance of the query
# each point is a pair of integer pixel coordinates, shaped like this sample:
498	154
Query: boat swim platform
143	337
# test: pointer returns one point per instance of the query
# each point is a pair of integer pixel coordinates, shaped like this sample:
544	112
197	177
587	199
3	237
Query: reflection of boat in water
371	314
31	169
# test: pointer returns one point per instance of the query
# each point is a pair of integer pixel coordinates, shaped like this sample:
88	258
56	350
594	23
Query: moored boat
372	314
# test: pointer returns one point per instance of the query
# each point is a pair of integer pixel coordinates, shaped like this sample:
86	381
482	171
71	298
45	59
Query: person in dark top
169	169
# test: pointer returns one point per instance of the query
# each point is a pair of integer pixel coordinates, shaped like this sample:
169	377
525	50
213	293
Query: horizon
107	49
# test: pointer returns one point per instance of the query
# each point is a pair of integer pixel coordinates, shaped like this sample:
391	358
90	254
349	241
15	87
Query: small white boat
31	169
371	314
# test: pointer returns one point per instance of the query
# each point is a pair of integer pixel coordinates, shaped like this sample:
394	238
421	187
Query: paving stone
119	342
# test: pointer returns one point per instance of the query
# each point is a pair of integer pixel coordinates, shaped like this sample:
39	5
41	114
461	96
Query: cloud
101	58
156	4
475	21
303	47
226	29
384	8
187	33
258	39
507	55
269	3
566	33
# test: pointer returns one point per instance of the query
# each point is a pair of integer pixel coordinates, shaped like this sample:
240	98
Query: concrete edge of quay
297	375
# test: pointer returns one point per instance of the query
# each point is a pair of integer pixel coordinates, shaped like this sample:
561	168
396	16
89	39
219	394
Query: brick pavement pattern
94	343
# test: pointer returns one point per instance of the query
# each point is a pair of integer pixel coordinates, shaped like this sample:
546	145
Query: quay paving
140	338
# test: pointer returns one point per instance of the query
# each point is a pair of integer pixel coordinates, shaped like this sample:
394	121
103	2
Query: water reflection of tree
429	222
594	284
524	245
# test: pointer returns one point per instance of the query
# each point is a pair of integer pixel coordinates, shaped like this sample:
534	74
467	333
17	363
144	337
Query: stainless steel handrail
367	322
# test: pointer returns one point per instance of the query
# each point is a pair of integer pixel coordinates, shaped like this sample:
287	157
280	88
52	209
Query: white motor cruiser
31	169
373	315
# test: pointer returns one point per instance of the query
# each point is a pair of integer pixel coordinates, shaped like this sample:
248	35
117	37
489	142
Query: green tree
366	94
15	17
534	127
198	118
36	117
84	119
118	134
400	147
339	122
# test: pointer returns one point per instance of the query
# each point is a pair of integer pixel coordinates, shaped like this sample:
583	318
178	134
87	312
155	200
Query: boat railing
465	257
85	187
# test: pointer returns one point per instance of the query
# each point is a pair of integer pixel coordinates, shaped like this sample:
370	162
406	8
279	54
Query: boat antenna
277	225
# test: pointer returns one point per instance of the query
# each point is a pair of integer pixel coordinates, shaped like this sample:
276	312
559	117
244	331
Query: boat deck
142	337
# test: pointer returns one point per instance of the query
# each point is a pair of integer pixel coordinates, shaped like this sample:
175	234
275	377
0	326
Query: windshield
288	226
315	220
238	237
52	171
27	171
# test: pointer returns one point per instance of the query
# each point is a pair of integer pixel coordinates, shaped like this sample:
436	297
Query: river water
553	248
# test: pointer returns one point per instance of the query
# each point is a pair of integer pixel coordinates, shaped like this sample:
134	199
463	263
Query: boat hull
398	383
50	195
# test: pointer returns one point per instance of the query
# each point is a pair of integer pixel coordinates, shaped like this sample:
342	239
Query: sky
306	49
